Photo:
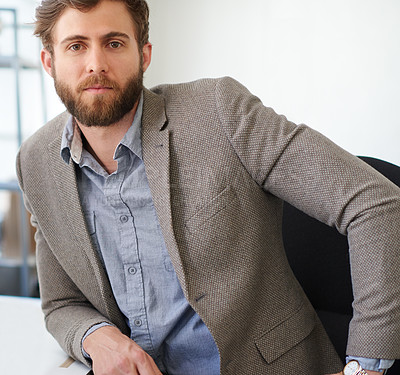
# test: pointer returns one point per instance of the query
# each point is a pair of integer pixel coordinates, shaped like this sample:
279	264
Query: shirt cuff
371	363
88	332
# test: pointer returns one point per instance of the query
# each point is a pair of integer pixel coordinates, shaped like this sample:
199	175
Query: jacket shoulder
198	87
46	134
202	96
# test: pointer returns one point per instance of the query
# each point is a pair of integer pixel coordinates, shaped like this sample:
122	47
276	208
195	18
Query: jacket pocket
210	210
283	337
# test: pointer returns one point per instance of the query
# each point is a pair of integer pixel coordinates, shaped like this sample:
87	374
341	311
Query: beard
102	109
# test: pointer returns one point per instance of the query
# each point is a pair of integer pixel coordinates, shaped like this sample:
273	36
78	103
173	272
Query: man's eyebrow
110	35
115	34
72	38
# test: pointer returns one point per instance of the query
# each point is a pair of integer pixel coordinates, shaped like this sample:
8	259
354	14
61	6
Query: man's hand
113	353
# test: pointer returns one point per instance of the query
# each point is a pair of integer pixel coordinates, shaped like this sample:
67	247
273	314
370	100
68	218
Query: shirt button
124	218
132	270
138	322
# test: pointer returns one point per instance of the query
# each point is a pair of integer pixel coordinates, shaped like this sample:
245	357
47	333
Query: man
158	236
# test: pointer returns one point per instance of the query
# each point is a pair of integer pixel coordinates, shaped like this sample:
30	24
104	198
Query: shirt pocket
168	264
90	218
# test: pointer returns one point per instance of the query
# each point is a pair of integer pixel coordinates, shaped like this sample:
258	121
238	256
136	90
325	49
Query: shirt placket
132	265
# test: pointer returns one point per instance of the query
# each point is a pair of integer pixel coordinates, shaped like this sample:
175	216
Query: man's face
96	65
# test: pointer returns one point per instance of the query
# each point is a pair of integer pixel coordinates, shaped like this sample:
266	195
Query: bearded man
158	216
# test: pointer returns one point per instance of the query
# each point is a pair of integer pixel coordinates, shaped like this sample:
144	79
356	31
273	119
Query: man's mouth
97	89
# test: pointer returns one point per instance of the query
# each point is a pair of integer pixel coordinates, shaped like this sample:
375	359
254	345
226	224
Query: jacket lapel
156	156
64	177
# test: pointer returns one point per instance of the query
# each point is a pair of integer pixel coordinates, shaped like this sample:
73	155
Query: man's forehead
105	18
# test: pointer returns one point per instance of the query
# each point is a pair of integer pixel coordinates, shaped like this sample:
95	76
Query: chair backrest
318	255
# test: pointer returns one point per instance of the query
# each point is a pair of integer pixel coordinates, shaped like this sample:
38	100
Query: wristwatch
354	368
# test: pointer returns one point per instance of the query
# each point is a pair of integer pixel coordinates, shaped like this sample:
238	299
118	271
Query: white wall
332	64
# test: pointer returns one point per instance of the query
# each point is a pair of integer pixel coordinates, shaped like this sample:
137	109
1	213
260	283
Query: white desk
26	348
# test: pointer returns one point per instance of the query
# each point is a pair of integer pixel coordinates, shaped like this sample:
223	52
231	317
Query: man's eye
75	47
115	44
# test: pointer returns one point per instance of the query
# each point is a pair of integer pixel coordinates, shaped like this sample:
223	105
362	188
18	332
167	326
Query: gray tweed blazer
219	164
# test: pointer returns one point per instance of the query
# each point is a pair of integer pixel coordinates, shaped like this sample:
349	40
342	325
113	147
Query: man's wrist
88	332
372	364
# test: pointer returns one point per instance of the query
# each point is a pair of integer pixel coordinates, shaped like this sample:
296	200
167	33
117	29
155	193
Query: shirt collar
71	140
133	137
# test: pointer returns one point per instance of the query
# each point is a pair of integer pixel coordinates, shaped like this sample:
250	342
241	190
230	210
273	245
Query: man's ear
147	50
47	61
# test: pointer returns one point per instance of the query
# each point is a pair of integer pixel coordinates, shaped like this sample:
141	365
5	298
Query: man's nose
97	61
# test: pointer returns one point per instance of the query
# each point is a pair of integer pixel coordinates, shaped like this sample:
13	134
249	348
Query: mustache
96	80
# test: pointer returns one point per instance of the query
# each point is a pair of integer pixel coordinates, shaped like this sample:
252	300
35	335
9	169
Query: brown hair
49	11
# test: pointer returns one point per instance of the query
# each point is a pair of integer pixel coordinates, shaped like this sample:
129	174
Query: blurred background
332	64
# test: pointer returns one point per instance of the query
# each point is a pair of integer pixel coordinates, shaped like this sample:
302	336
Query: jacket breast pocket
280	339
211	210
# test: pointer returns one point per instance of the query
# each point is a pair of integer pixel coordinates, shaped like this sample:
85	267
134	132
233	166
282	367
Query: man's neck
101	141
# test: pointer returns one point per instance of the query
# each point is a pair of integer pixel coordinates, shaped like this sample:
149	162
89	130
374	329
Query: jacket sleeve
68	312
301	166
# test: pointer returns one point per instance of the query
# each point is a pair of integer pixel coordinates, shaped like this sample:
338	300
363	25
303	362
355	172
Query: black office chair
318	255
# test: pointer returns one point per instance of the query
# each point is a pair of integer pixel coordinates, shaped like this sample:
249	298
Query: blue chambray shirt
124	227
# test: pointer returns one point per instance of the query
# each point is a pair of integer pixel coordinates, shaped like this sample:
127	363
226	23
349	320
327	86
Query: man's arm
304	168
68	312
